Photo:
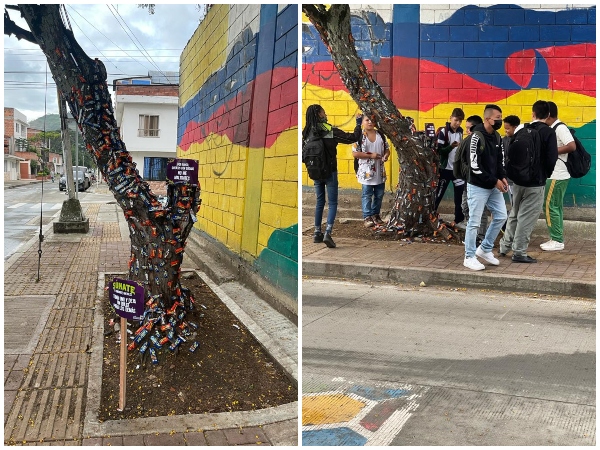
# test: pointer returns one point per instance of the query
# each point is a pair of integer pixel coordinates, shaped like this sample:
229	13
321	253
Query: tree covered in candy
413	209
158	233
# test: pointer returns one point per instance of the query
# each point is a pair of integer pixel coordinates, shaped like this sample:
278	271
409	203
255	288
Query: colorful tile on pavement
357	414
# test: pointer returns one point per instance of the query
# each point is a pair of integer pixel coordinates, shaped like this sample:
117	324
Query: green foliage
52	123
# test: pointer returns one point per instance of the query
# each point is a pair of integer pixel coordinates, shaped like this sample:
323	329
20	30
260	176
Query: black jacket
333	136
486	158
548	154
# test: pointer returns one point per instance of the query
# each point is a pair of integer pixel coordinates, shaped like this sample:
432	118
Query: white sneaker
552	246
487	256
473	264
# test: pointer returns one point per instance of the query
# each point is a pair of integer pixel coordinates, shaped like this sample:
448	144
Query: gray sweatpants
527	207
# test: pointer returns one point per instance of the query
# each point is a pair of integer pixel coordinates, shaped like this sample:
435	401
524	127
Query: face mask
497	124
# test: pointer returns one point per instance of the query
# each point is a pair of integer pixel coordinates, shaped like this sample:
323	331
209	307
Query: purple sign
127	297
430	130
182	171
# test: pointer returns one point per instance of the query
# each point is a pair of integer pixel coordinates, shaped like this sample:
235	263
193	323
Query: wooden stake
123	359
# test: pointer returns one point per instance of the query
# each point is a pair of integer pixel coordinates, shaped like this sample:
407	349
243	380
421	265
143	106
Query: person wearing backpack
486	180
556	185
531	158
448	138
371	152
317	129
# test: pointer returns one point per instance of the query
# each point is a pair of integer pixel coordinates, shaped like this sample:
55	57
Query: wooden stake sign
127	298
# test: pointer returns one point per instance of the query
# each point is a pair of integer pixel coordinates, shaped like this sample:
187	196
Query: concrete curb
189	422
316	268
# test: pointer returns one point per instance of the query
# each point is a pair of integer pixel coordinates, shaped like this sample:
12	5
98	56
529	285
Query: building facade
15	132
146	110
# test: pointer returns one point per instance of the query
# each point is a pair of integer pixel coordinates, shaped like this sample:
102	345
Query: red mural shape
233	120
520	67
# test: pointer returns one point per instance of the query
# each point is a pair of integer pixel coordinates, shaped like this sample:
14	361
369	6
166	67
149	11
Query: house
146	110
15	131
54	160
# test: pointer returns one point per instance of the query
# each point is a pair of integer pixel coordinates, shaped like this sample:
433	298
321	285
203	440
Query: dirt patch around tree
229	371
354	229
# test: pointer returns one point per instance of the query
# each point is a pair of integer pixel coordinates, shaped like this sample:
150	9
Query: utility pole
71	215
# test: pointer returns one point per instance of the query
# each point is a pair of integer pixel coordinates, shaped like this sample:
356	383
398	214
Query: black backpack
314	157
360	143
462	167
523	156
579	161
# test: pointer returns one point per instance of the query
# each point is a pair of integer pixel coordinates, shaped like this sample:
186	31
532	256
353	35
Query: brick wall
238	118
9	122
433	58
150	90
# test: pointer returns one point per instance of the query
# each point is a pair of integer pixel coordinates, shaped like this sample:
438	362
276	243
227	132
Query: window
17	128
148	126
155	169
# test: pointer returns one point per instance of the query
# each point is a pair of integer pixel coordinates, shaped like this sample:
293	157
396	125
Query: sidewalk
571	272
52	354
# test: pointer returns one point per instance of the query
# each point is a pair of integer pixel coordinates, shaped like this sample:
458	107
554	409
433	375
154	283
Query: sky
108	32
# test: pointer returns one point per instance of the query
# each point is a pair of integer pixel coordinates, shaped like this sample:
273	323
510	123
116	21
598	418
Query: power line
132	34
106	38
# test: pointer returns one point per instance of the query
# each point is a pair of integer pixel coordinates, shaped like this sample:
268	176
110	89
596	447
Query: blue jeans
478	198
331	186
372	196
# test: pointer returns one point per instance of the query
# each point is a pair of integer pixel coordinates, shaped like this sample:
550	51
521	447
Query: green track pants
553	207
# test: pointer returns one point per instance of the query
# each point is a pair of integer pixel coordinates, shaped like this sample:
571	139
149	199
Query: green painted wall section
278	269
582	191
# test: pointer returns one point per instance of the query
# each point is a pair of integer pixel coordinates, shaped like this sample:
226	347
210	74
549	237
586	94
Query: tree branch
12	28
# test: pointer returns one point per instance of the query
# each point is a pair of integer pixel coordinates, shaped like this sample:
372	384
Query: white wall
167	108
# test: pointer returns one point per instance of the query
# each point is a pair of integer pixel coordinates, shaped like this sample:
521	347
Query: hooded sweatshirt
486	158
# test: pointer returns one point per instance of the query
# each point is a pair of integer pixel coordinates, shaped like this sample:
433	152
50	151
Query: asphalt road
22	207
444	367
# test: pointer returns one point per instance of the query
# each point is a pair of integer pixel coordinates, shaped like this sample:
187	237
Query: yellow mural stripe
234	178
205	52
573	108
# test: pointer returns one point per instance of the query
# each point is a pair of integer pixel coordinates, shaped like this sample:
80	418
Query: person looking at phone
448	138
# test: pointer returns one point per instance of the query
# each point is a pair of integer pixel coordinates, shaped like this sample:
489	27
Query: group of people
482	193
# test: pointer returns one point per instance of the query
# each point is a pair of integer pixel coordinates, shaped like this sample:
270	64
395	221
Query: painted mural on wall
430	59
238	118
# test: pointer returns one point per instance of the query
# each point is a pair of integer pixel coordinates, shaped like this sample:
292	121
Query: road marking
57	206
326	419
18	205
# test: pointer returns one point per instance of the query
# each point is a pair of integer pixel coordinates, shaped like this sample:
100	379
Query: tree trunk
158	234
413	209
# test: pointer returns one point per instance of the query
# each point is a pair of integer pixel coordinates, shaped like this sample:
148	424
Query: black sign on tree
182	171
127	298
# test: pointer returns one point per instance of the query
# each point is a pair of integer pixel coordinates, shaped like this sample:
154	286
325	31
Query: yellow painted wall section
574	109
204	53
279	199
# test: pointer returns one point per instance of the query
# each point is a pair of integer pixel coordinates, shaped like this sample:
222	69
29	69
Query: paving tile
243	436
9	361
92	442
195	438
13	381
133	440
164	439
113	440
215	437
282	433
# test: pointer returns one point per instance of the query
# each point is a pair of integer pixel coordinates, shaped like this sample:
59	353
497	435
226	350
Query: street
388	365
22	210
